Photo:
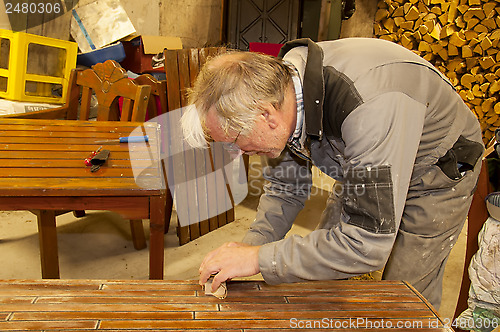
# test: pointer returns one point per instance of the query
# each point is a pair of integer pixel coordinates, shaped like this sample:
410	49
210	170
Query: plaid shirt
296	140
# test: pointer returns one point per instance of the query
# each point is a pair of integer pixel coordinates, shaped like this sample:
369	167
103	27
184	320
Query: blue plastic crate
112	52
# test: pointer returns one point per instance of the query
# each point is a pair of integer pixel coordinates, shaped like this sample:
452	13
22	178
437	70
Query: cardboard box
99	23
139	51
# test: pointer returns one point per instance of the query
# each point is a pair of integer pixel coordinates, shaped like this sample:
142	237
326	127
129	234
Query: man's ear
270	115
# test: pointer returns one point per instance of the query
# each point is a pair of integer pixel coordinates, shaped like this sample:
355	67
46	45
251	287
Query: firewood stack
461	38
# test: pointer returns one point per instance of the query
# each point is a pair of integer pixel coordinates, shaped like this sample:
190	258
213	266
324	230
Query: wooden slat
126	109
110	308
85	104
47	325
174	103
194	192
172	77
67	155
183	63
129	207
65	163
160	297
99	315
59	172
109	141
315	314
61	147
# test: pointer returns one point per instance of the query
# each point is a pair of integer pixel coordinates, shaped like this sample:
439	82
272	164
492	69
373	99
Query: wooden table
42	168
89	305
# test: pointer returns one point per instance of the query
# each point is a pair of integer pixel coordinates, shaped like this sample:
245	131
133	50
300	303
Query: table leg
156	237
138	237
47	235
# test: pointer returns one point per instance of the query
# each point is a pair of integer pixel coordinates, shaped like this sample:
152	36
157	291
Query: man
383	122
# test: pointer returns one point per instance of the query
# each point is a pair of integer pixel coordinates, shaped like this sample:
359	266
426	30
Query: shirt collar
297	84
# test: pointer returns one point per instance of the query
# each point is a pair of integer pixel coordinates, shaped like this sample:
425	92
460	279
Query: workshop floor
98	246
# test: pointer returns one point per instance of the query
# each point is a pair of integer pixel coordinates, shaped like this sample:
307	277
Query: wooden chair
157	106
108	81
477	216
181	68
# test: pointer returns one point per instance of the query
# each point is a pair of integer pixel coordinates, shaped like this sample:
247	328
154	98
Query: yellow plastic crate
35	68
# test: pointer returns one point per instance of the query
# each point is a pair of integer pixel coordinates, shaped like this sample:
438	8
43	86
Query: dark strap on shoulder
313	84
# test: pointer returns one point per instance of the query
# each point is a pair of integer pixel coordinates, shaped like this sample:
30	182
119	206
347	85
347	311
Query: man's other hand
231	260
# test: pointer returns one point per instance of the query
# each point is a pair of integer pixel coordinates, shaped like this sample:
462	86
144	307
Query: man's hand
231	260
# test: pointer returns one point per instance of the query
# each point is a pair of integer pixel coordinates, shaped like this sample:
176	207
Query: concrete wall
197	22
145	18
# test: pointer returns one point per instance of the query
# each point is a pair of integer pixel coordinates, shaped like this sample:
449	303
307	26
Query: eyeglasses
232	147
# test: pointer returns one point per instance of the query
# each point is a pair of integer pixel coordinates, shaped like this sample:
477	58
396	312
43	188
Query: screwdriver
91	155
128	139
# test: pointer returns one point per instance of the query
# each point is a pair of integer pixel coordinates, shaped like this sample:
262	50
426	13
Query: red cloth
158	105
266	48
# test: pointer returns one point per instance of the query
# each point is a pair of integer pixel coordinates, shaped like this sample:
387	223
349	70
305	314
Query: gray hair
237	84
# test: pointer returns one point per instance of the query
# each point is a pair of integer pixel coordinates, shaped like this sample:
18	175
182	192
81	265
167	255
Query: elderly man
383	122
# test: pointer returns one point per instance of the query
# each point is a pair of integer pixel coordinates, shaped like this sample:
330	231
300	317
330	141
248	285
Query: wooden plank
199	165
65	163
53	186
15	299
66	147
201	157
313	306
240	323
82	172
100	133
99	315
376	329
193	324
204	166
12	326
172	78
129	207
382	314
183	62
169	330
112	308
161	297
69	125
68	155
68	144
190	168
174	103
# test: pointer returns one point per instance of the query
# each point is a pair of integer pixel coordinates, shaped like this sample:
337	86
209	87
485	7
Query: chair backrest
158	101
182	68
108	81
